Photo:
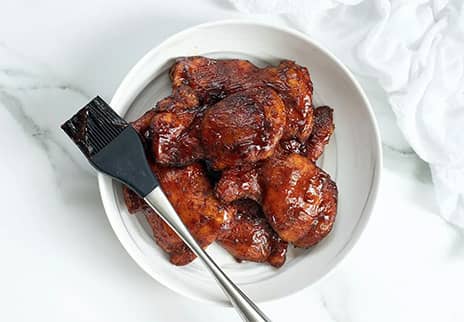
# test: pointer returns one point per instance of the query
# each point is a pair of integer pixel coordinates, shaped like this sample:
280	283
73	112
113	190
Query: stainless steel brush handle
244	305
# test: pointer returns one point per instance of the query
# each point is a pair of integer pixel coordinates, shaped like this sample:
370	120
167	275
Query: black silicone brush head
94	126
111	145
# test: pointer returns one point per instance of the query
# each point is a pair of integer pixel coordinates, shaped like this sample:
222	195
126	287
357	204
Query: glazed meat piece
248	236
192	197
175	128
239	183
213	80
313	148
326	213
294	85
167	239
133	202
143	123
244	127
185	149
299	199
322	130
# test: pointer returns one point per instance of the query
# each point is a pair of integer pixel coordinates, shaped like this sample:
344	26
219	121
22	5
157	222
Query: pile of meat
234	148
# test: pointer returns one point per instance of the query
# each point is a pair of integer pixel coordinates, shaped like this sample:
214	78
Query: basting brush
113	147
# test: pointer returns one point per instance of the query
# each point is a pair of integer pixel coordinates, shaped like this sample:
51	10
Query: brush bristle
94	126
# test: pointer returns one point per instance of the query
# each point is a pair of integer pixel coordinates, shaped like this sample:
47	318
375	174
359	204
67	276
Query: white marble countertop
62	262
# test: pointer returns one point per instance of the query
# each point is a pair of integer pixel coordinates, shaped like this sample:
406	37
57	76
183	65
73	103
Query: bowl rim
105	182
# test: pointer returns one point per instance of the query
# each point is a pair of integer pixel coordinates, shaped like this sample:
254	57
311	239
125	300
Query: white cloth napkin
415	51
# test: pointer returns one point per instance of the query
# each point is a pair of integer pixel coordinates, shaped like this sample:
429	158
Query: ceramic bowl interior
353	159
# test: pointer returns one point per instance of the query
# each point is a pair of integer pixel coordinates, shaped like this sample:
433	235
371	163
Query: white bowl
353	159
